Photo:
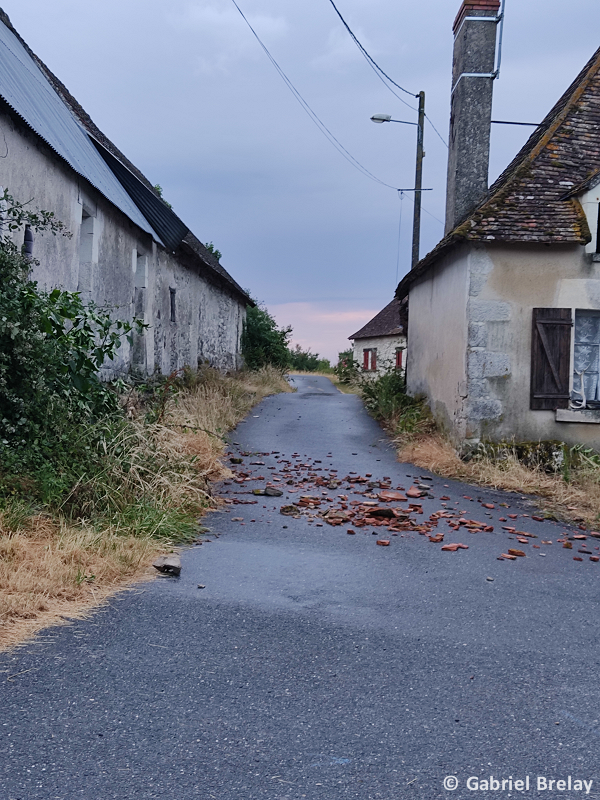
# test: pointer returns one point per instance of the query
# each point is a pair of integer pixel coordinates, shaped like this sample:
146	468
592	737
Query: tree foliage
263	342
305	361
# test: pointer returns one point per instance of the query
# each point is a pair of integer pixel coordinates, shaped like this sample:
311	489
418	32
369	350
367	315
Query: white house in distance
381	344
129	252
504	334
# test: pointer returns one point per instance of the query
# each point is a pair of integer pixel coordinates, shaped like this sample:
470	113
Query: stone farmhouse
504	333
381	343
129	251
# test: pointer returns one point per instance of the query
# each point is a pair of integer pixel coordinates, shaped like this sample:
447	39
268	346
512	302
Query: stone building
381	344
504	334
129	251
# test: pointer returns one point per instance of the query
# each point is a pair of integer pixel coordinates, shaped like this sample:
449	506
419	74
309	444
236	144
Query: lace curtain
586	361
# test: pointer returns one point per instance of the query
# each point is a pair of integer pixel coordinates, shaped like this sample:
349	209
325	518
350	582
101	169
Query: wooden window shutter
398	359
551	358
374	359
366	359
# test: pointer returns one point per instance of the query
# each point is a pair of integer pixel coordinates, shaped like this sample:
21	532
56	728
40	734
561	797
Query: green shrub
347	369
263	342
51	348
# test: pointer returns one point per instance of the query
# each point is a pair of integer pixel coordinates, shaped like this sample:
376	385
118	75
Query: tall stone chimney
475	30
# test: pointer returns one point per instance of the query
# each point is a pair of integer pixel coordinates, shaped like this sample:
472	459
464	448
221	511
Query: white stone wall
117	265
386	351
470	334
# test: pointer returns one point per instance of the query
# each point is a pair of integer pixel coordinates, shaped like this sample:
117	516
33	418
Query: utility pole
418	182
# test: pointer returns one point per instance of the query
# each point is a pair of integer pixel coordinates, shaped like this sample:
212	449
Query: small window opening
399	358
598	232
370	359
173	307
86	239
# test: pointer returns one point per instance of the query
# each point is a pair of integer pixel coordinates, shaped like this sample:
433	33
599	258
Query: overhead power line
383	76
312	114
372	63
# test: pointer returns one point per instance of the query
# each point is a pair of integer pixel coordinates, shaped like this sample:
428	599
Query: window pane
586	361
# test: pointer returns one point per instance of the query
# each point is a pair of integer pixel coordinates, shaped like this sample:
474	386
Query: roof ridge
531	150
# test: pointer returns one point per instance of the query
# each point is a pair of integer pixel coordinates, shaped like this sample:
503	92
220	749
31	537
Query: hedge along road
317	664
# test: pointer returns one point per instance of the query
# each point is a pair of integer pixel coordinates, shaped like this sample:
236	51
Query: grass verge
576	500
142	495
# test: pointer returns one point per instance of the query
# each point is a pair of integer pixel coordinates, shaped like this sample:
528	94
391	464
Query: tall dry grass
50	570
577	500
154	484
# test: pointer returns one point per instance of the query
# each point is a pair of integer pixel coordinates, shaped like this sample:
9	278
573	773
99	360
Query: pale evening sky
184	90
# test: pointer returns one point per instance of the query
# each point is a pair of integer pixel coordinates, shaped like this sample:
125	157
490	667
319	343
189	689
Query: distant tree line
265	343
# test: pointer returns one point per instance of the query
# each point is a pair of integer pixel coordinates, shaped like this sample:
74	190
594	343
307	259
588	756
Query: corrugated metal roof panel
30	95
164	220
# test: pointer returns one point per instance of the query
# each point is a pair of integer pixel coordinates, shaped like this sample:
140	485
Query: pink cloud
321	326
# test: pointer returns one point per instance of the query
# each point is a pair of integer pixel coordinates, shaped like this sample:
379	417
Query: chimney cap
476	8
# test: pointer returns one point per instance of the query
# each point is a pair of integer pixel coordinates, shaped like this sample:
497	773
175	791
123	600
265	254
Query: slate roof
534	199
137	198
386	323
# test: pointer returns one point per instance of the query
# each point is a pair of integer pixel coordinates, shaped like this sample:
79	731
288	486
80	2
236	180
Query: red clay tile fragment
568	546
351	532
437	539
577	558
595	558
538	519
508	556
392	497
383	542
514	552
488	505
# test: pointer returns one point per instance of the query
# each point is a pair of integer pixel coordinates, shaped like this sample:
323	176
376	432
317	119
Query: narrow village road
316	664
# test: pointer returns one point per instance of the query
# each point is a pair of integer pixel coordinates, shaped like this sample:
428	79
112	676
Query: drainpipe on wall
473	74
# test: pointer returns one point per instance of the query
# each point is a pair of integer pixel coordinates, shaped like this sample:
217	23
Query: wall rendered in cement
437	340
117	265
506	283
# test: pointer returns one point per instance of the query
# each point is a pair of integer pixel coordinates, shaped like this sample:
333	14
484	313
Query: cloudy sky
184	89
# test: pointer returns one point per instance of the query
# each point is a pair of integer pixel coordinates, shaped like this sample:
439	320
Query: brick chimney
471	107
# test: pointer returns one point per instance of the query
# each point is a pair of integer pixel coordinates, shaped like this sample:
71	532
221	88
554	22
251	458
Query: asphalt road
315	664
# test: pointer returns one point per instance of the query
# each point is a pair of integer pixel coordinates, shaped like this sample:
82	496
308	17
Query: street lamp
380	119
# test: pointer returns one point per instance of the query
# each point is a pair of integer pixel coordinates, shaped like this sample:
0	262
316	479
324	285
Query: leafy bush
263	342
51	348
385	395
347	370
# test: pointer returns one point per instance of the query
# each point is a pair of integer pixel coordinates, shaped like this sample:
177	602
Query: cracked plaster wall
119	266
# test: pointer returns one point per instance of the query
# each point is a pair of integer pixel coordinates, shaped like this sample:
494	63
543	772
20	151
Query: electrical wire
431	215
372	63
436	130
312	114
383	76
